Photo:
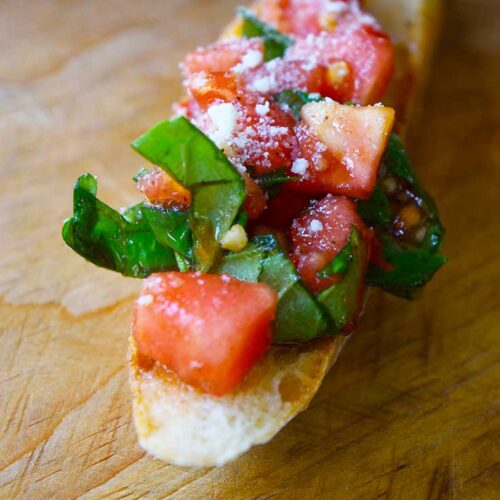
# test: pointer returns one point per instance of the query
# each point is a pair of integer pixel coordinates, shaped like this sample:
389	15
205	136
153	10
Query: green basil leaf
171	228
133	213
271	183
245	265
295	99
413	261
376	210
298	316
217	188
104	237
339	264
342	300
275	42
242	218
412	268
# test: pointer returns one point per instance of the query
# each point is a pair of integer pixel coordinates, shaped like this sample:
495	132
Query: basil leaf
171	228
413	260
275	42
217	188
340	263
298	316
342	300
133	213
242	218
104	237
412	268
376	210
271	183
295	99
245	265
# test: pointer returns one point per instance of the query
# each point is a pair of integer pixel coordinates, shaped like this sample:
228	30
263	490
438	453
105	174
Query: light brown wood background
411	410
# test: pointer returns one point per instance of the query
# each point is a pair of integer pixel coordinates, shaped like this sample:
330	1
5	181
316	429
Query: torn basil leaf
298	316
271	183
412	253
123	243
275	42
341	301
245	265
295	100
411	267
217	188
376	210
340	263
171	228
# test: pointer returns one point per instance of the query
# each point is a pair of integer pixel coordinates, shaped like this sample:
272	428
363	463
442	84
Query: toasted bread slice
187	427
183	426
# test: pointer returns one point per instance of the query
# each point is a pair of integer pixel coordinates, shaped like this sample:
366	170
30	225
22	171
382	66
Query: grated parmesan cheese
315	226
335	7
224	117
300	166
250	60
264	84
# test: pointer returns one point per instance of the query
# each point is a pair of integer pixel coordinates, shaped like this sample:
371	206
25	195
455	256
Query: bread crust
183	426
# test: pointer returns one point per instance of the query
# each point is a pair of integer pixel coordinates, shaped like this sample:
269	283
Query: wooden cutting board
411	410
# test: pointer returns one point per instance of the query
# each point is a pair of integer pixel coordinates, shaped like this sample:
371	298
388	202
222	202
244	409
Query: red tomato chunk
319	234
209	329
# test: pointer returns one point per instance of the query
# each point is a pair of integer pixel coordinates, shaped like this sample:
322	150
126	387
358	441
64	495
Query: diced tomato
319	234
206	88
266	138
255	202
281	210
220	57
209	329
160	188
343	146
345	33
273	13
297	17
285	74
366	50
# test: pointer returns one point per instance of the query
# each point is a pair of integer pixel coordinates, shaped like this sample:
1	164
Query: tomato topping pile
209	329
305	132
276	193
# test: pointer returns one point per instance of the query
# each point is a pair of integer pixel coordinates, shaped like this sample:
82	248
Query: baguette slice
183	426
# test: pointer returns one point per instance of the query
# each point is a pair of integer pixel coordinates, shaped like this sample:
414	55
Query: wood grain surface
411	410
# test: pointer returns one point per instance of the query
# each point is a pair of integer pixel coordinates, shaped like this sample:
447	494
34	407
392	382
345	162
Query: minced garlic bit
300	166
315	225
328	21
337	72
389	185
420	234
235	239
